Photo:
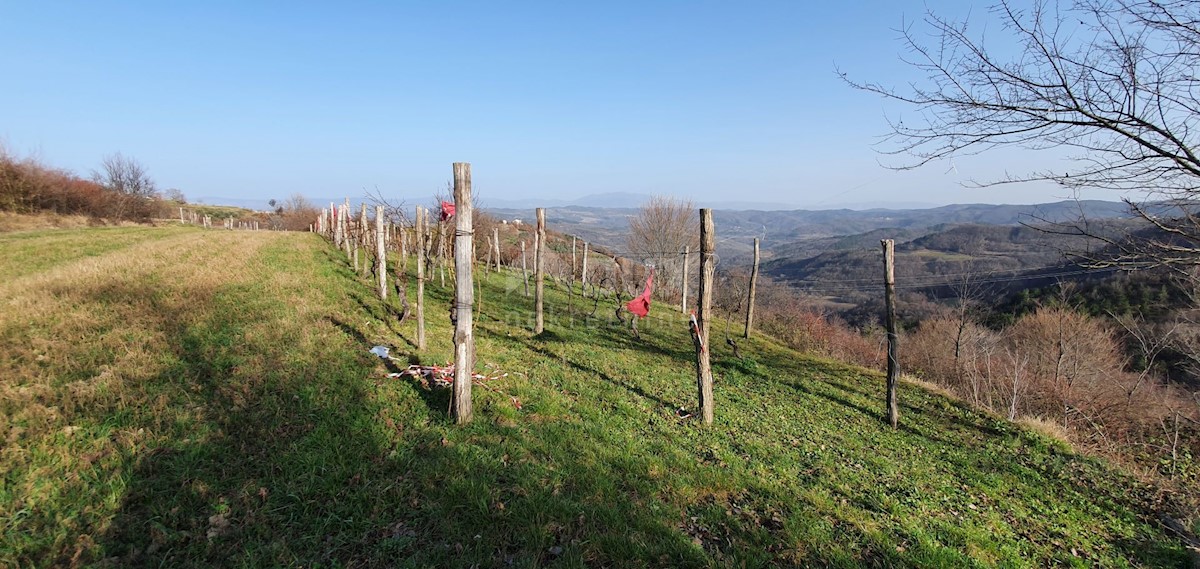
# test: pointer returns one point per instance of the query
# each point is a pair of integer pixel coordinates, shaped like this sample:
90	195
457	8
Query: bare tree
130	183
658	234
297	212
1112	80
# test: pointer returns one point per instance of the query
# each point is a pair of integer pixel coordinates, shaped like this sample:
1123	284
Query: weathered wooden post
420	245
347	232
889	297
683	303
699	325
441	256
380	252
583	271
404	244
573	263
524	268
360	237
750	294
539	270
496	244
464	296
487	264
335	224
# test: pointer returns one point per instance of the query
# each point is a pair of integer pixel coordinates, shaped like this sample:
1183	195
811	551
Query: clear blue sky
712	100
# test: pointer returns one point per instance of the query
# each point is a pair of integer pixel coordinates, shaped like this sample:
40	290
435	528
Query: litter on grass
443	376
381	351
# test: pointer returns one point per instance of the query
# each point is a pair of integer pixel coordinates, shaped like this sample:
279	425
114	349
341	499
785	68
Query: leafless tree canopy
1115	80
130	183
659	233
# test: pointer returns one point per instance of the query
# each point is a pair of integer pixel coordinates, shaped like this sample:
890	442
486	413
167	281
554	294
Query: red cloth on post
641	304
447	210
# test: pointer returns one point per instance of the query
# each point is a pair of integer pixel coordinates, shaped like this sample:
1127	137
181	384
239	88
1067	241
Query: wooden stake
687	253
347	232
889	297
583	271
524	268
361	240
420	245
380	252
704	379
496	244
464	340
442	252
539	270
487	265
573	263
750	294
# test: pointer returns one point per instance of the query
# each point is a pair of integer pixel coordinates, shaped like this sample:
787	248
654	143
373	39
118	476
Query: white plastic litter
381	351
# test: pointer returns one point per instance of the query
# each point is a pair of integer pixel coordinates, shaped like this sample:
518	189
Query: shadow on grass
281	446
283	455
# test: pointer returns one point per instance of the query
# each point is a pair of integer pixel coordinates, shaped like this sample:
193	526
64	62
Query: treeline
121	189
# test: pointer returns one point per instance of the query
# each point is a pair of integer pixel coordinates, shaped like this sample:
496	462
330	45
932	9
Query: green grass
202	399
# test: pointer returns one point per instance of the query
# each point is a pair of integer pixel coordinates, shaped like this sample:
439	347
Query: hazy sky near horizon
716	101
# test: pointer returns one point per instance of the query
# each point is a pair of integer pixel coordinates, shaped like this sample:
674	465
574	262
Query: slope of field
195	399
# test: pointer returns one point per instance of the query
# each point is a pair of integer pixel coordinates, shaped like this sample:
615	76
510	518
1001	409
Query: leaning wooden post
750	294
380	252
889	297
464	296
524	268
687	252
539	270
699	324
420	245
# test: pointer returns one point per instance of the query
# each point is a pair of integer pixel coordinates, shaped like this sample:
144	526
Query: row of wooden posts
206	221
336	224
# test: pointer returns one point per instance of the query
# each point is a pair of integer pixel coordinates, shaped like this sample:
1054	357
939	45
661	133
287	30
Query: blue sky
716	101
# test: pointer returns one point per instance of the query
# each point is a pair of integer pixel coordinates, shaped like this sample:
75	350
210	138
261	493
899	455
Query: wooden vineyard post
380	252
361	240
704	379
750	295
346	231
583	269
420	246
404	247
524	268
464	339
539	270
336	213
683	304
889	297
496	244
487	264
441	256
573	262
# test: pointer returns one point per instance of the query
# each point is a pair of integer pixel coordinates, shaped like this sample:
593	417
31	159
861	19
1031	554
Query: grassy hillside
175	397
